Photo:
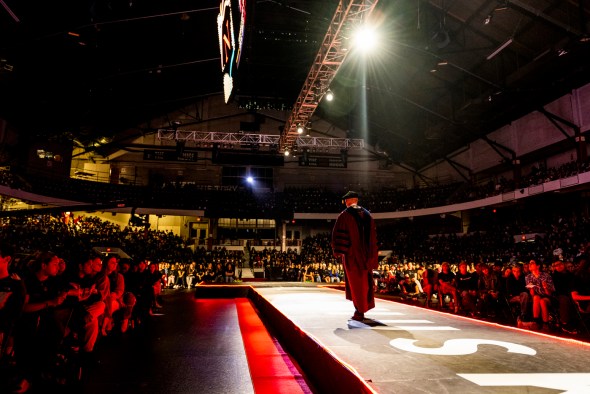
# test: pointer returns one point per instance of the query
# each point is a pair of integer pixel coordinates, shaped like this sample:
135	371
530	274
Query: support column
582	150
465	221
516	172
284	237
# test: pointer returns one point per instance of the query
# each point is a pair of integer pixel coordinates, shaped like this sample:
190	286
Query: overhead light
443	63
499	49
300	128
287	152
329	95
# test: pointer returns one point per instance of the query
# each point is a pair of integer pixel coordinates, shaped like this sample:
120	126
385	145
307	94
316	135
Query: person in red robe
354	241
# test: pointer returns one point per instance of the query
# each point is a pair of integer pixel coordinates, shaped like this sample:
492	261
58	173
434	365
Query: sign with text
168	155
317	161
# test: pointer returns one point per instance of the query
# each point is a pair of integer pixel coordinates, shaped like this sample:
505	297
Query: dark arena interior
172	174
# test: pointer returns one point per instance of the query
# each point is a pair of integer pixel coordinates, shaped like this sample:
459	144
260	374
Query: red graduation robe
355	237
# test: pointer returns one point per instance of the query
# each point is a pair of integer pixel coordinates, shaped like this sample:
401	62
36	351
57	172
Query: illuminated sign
317	161
230	48
164	155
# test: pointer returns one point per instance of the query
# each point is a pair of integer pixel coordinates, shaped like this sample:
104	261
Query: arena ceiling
447	72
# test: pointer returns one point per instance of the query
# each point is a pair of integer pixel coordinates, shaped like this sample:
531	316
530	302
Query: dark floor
191	347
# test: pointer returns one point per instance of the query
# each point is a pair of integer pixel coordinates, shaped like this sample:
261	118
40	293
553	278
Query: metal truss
331	55
252	140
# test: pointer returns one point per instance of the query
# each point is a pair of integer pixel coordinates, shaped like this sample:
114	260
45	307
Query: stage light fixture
329	95
287	153
300	128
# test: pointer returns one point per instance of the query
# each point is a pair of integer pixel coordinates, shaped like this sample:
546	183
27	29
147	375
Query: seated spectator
12	300
447	286
517	292
540	285
230	272
210	274
333	274
489	291
191	274
322	273
466	288
171	281
181	276
38	332
142	286
118	300
429	285
308	274
581	284
409	286
563	281
154	276
199	274
219	272
86	301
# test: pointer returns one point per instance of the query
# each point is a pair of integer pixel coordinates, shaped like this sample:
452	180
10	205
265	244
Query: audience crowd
58	291
56	288
233	201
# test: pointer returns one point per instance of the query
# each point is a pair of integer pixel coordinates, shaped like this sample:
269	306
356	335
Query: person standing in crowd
354	243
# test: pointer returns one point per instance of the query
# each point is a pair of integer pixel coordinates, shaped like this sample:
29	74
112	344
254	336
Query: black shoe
358	316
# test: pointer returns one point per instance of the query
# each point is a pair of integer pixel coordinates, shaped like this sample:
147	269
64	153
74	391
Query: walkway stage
408	349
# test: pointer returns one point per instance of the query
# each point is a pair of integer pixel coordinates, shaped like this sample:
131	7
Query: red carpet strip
271	369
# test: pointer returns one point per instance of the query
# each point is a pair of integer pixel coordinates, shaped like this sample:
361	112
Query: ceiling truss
255	140
328	60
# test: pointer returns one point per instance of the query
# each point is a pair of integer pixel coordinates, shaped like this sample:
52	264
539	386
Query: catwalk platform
212	341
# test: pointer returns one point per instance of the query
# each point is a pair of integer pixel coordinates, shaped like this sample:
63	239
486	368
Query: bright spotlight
365	39
286	153
300	128
329	95
249	179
